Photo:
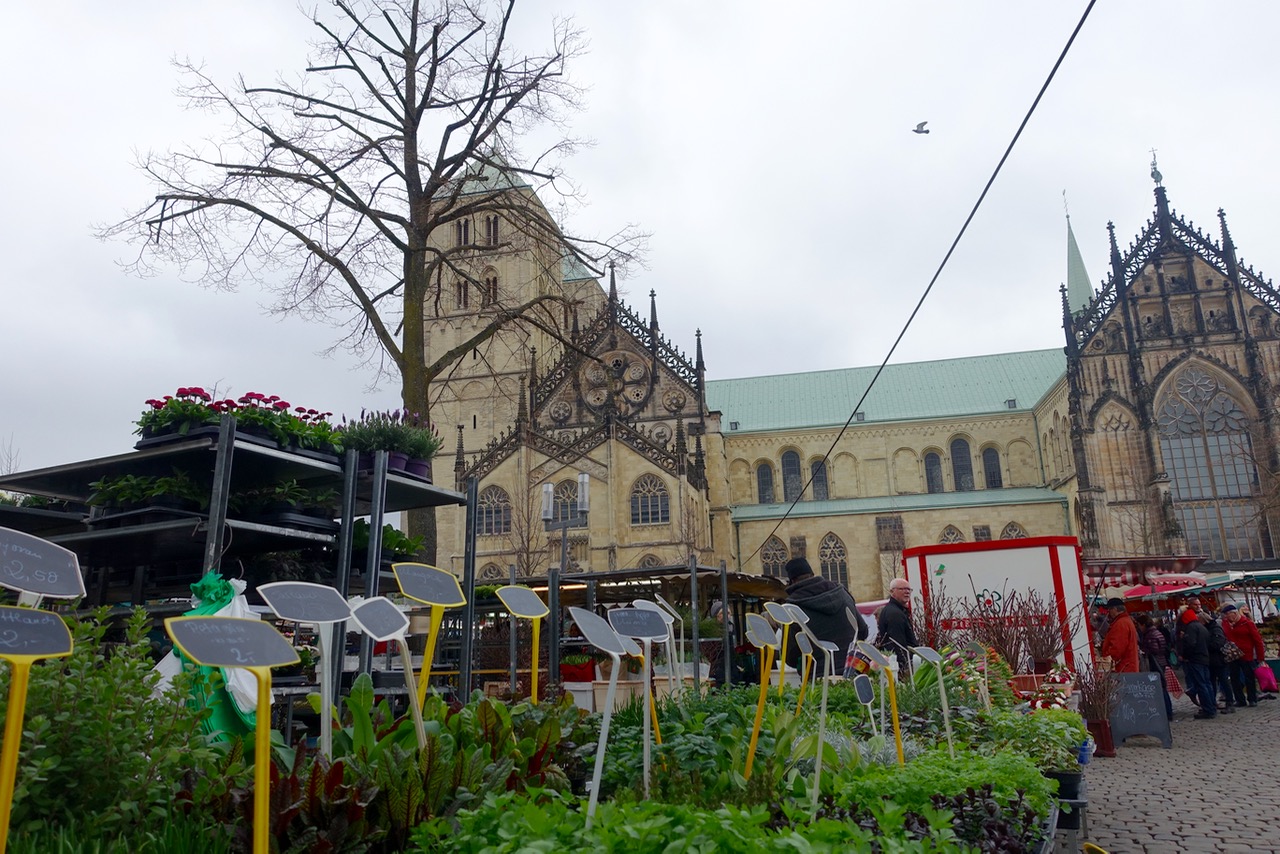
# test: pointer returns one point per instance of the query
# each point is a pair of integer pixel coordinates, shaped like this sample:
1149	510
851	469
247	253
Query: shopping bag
1266	679
1171	683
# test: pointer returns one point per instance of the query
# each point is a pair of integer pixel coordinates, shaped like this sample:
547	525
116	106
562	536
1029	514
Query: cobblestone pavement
1217	789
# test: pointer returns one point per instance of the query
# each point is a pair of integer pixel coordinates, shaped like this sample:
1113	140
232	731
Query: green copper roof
1079	291
573	270
972	385
901	503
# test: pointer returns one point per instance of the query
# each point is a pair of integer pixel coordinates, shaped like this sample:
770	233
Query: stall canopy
1131	571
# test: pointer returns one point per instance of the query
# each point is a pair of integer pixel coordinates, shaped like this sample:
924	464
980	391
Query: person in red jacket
1121	642
1241	631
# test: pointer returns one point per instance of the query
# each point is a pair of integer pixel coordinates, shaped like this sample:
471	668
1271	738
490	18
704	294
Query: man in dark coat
825	603
1195	661
894	632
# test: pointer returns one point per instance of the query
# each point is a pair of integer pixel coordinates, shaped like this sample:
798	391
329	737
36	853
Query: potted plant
403	434
177	491
1051	738
177	414
1097	693
396	545
577	667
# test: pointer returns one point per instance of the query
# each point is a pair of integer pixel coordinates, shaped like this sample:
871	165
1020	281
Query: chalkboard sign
806	648
39	634
230	642
380	619
304	602
638	623
429	585
597	632
630	647
928	653
522	602
796	613
872	654
1139	708
31	565
646	605
780	613
863	688
759	632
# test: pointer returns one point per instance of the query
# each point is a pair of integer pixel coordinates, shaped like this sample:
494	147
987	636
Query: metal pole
693	620
215	532
339	646
727	654
373	566
468	593
511	619
553	633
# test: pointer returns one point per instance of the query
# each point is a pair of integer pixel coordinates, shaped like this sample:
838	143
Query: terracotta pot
1101	732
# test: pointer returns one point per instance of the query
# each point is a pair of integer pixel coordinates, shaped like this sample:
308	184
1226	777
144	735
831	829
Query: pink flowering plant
186	409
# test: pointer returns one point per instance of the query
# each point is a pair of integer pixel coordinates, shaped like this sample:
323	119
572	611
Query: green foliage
314	810
128	489
98	746
398	430
1050	737
176	833
914	785
180	413
548	822
394	541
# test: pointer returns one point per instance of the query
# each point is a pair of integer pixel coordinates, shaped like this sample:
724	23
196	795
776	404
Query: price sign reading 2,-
25	636
257	647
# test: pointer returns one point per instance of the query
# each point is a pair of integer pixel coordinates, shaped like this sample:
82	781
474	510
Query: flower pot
1068	783
396	461
419	468
578	672
1101	732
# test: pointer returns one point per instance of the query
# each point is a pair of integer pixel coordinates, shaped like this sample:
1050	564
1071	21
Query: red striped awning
1130	571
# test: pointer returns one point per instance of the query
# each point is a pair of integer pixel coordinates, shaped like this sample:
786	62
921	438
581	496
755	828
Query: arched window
489	288
774	557
933	472
764	483
649	561
650	504
961	466
565	505
462	230
1013	531
1208	453
951	534
462	295
792	482
493	511
834	560
819	470
492	572
991	468
491	230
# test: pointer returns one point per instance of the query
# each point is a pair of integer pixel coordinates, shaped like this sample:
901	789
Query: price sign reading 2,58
31	565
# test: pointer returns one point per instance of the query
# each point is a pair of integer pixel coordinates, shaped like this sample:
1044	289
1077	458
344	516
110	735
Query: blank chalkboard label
522	602
429	585
230	642
39	634
597	632
31	565
759	632
638	623
380	619
780	613
1139	708
304	602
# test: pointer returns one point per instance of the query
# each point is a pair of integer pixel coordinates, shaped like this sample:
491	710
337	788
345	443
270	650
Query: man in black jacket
825	603
1195	661
894	632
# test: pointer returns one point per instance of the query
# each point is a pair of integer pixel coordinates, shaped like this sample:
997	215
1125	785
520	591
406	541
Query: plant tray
294	520
210	430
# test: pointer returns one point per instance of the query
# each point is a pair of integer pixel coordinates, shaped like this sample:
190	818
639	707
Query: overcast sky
795	217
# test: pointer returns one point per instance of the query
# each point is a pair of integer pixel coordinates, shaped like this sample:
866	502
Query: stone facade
1182	337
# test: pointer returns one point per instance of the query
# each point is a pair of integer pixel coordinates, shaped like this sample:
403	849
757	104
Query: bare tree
528	540
350	192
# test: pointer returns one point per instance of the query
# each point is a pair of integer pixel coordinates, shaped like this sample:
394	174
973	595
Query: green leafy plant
397	430
180	413
98	746
394	541
1051	738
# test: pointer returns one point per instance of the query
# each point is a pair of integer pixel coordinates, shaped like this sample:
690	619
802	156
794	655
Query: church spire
653	310
1078	290
459	463
522	412
1228	248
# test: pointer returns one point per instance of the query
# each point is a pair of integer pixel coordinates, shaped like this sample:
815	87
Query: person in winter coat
1218	663
1155	650
1195	661
894	631
1241	631
825	603
1121	642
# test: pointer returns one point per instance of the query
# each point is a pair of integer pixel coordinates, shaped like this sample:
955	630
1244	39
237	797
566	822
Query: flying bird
920	128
